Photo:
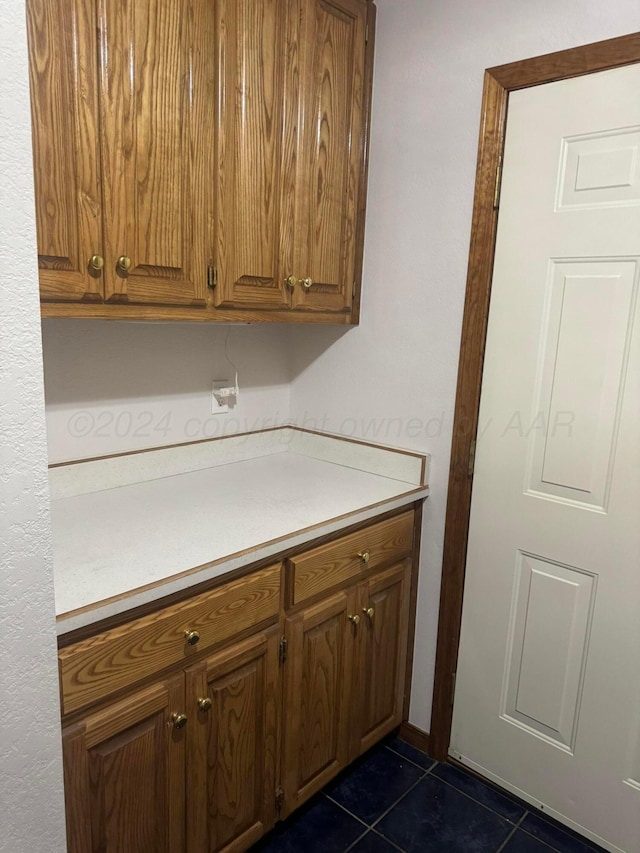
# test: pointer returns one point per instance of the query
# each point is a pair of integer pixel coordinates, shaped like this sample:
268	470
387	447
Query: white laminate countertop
133	528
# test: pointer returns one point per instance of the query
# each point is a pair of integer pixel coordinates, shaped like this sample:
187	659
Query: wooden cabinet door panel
317	696
382	656
124	775
156	81
63	68
250	38
233	747
330	156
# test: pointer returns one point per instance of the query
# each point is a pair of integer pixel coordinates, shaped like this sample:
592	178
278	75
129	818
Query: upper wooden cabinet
201	159
121	97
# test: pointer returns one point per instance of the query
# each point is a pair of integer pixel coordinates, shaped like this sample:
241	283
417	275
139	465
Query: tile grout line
425	773
512	833
371	826
484	806
419	766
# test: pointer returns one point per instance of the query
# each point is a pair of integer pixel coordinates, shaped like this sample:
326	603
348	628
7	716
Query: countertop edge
116	606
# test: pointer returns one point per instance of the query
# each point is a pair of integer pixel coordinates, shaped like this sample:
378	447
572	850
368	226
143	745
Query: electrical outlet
220	396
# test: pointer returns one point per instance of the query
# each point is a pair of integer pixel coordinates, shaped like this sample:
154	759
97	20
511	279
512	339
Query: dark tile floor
396	798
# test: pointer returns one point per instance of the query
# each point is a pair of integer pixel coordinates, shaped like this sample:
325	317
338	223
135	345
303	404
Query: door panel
382	654
63	69
156	77
252	52
547	701
330	157
124	775
317	696
233	746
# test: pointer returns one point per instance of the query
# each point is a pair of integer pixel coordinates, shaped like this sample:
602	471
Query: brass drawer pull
123	264
291	281
368	612
355	619
179	720
96	263
365	556
306	283
204	703
192	637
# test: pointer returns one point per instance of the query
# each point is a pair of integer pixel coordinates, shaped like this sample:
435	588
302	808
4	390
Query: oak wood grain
232	750
361	215
498	82
156	85
382	655
320	569
64	113
251	44
124	775
165	313
329	158
317	704
93	668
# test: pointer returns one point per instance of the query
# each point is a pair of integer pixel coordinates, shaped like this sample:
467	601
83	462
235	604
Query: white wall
393	379
112	387
32	816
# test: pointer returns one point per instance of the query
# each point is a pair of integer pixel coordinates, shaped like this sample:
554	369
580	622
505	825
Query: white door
547	699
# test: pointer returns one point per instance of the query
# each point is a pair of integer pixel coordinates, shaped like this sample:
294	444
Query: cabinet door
250	172
124	775
156	89
62	69
380	670
331	150
316	711
233	746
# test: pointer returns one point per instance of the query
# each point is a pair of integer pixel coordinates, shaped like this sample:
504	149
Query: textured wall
122	386
393	379
32	816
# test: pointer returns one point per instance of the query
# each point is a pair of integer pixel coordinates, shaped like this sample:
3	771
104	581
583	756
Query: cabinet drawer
93	668
345	558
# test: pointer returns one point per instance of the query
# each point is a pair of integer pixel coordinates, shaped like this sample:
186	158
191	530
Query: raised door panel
62	69
251	42
330	157
317	696
156	82
233	746
124	775
380	677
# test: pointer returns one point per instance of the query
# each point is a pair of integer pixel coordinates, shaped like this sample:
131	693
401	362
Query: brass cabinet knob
365	556
291	281
368	612
179	720
123	263
96	263
204	703
306	283
355	619
192	637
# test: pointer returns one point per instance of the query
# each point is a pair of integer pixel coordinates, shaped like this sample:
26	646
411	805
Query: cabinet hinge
472	458
453	686
279	798
498	187
212	276
284	649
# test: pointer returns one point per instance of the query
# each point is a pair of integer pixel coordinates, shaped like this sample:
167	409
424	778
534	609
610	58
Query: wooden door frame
498	83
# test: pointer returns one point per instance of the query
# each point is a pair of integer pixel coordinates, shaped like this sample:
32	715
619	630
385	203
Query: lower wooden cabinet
318	682
344	680
124	775
262	695
379	682
232	748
